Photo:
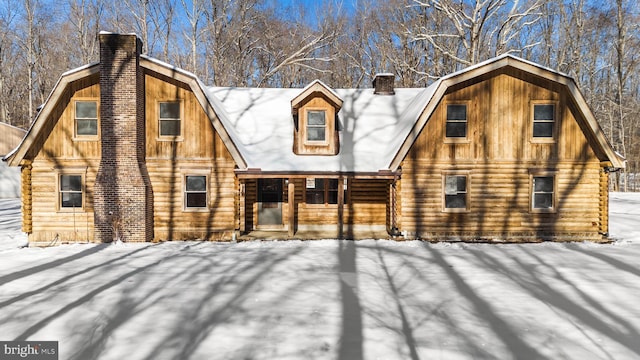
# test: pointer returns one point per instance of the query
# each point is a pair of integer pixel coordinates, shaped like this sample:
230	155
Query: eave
595	131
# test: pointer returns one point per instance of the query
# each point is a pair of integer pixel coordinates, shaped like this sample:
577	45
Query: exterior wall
499	157
198	151
59	152
123	194
332	145
366	207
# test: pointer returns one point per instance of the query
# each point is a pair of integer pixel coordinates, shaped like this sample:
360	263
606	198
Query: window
86	118
323	191
316	125
195	192
455	192
170	118
456	121
543	120
70	191
543	190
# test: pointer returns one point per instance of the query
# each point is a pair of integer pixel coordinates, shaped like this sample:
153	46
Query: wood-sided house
134	148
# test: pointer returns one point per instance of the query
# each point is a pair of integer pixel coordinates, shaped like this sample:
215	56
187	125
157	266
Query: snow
372	127
327	299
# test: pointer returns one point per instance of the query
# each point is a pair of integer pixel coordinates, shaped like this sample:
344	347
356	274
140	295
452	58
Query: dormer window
315	118
316	125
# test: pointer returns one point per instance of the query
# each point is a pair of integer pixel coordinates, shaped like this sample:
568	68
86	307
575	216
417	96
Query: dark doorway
270	202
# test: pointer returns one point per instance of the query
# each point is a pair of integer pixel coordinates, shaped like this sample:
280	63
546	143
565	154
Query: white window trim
456	140
543	173
465	173
78	171
197	172
556	121
324	142
77	137
160	137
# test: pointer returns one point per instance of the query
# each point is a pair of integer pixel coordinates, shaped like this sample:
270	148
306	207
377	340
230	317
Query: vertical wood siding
198	151
499	156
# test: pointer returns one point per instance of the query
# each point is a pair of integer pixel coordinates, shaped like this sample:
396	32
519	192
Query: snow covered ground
327	299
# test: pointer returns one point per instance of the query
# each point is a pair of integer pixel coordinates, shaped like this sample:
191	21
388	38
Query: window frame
324	142
555	122
59	192
186	192
88	137
456	139
327	190
467	191
554	201
160	136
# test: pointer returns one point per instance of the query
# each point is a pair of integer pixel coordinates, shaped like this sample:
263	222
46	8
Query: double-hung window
195	192
169	119
455	192
543	190
544	120
70	191
456	126
316	125
86	118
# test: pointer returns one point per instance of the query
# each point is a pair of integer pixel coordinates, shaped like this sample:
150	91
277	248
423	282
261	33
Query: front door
270	202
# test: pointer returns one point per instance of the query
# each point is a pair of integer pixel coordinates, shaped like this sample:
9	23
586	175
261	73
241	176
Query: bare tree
483	28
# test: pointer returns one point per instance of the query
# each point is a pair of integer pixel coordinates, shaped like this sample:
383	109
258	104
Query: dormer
315	116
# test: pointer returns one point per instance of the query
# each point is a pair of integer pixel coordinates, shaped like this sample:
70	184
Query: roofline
253	173
200	93
15	157
308	90
494	64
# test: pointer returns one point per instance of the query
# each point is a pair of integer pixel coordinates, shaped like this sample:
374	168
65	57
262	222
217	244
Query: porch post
292	211
243	210
340	207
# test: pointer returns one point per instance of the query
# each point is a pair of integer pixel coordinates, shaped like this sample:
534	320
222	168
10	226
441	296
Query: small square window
543	191
316	125
543	120
70	192
456	121
170	118
455	192
86	118
195	193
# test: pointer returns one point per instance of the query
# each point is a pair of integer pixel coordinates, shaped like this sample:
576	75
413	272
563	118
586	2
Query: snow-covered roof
371	128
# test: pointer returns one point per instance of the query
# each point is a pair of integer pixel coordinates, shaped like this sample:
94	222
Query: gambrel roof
375	131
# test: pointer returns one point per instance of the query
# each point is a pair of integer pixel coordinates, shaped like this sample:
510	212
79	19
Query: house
10	137
136	149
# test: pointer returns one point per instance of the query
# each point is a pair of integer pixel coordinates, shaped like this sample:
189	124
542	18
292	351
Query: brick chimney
383	84
123	198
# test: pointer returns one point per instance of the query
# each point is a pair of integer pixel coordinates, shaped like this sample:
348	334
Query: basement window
195	192
70	191
86	118
169	119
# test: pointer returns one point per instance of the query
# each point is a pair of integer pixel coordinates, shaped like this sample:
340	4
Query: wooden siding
300	145
199	150
499	155
367	205
56	152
